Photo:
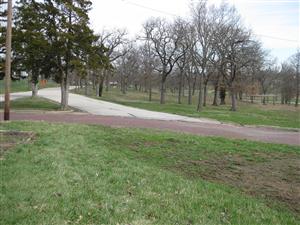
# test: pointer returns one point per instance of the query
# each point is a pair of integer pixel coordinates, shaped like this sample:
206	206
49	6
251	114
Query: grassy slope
22	85
81	174
247	114
35	103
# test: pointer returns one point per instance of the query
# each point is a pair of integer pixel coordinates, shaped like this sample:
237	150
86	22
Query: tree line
212	48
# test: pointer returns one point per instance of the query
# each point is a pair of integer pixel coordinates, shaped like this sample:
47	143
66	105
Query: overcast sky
275	22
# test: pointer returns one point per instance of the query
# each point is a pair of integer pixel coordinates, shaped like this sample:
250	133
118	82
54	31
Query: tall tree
204	19
165	43
64	22
295	61
148	64
235	48
30	44
183	29
115	42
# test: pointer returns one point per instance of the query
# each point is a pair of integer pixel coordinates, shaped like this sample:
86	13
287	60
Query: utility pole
8	61
297	56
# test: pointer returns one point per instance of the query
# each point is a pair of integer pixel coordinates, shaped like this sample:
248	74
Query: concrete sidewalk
103	108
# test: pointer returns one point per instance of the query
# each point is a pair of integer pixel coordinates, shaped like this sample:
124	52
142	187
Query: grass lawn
22	85
35	103
247	114
80	174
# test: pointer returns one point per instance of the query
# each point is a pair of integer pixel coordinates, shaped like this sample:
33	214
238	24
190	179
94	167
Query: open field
22	85
80	174
247	114
35	103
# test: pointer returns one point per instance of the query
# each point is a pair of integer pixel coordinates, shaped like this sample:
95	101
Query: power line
258	1
149	8
171	14
277	38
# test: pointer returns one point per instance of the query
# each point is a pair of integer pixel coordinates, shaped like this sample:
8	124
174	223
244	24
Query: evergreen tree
53	38
30	45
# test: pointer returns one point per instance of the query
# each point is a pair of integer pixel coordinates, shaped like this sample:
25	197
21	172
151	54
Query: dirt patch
291	108
273	176
10	139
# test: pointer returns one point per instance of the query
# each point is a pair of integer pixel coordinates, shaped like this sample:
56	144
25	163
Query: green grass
247	114
35	103
22	85
79	174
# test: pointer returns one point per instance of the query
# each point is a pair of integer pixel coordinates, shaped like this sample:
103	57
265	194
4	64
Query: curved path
269	135
99	107
116	115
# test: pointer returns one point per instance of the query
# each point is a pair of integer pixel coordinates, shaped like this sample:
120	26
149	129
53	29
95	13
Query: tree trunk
94	82
222	96
124	88
233	100
180	87
194	85
145	84
100	90
205	94
162	89
34	89
199	106
80	83
215	102
64	92
107	81
190	94
240	95
264	98
86	92
150	91
183	87
97	89
123	84
34	83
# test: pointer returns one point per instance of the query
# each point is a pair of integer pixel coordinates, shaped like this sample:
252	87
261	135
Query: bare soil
273	176
10	139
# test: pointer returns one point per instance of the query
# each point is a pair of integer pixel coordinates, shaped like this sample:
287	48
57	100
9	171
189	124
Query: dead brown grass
274	176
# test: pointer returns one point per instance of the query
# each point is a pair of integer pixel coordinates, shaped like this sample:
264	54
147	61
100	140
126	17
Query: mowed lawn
33	103
80	174
247	114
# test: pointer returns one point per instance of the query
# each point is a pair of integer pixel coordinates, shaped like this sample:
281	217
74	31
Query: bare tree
287	83
235	47
148	64
204	49
183	28
295	62
165	44
128	67
114	41
266	76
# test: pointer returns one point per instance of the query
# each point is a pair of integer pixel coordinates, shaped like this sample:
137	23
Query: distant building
113	83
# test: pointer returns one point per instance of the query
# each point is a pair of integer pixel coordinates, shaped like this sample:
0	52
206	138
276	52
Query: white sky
267	18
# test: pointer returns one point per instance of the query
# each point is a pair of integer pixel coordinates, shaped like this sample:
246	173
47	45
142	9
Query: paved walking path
269	135
98	107
115	115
